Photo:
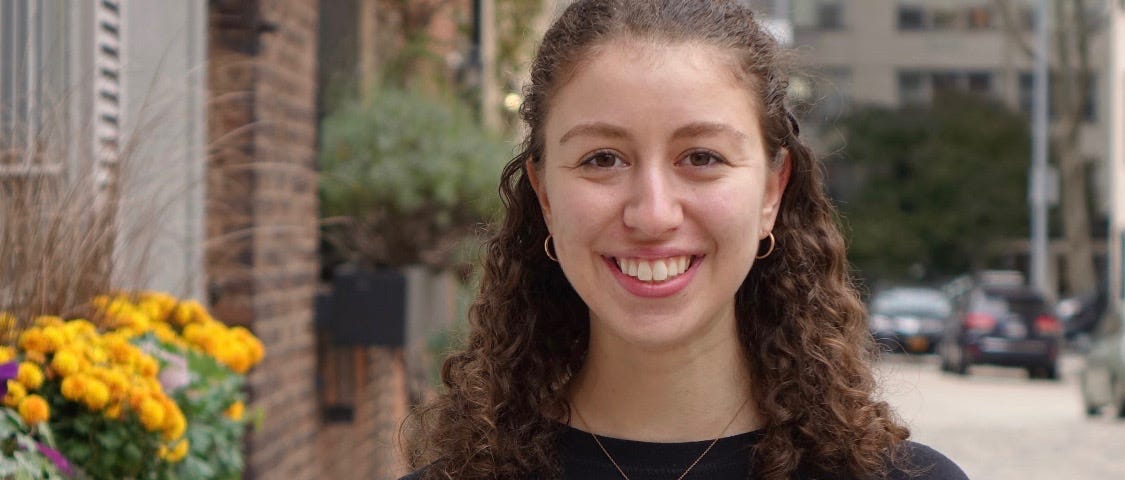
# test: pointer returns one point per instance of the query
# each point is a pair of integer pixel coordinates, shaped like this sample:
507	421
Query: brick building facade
262	248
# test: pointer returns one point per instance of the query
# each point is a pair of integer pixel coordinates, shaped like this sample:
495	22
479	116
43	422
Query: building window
946	19
980	18
980	82
912	89
915	15
831	16
918	87
818	14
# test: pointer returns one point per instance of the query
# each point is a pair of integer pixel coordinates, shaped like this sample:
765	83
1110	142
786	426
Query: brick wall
262	217
262	243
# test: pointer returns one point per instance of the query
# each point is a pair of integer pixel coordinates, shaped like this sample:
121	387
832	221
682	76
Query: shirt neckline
638	455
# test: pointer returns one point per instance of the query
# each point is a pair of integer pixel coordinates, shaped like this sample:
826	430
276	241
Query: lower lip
666	288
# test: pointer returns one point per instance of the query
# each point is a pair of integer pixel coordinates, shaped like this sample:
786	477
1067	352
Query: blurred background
321	172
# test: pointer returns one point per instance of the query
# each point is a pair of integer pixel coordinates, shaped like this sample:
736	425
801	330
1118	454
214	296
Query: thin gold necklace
693	464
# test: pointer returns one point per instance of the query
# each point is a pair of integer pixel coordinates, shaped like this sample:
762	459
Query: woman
667	296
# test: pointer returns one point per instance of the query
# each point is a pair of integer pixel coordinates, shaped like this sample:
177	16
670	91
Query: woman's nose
653	208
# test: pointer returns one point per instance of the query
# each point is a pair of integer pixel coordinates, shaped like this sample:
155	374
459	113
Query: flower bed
154	391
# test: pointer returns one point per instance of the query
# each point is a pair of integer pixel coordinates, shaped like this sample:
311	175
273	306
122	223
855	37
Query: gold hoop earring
547	249
773	243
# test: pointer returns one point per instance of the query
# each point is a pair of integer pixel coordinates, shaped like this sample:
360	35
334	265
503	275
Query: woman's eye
604	160
703	159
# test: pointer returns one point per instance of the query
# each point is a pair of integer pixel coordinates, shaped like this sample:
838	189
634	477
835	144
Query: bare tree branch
1012	27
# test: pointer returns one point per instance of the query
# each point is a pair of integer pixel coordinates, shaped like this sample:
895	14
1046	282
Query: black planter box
365	308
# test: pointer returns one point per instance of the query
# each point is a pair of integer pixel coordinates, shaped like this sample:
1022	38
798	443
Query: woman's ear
532	172
776	181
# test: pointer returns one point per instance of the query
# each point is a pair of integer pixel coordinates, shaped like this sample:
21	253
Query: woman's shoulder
925	463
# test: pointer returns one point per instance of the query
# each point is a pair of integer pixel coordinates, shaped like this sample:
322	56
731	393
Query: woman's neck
679	394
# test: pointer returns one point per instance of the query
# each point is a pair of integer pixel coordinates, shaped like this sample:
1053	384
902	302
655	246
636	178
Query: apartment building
901	52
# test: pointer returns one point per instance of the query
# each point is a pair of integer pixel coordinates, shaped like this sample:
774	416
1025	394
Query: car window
911	302
999	303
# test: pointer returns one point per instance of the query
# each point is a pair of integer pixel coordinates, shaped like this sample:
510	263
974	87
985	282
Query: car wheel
1092	411
1040	372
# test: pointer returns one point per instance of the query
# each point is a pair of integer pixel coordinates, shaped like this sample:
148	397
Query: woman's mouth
654	270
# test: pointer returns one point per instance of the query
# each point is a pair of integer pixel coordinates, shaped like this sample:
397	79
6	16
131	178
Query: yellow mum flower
56	337
176	453
80	328
74	387
7	354
235	410
96	395
66	363
33	340
16	393
113	412
174	425
35	357
34	410
252	344
30	375
120	350
48	321
152	414
147	366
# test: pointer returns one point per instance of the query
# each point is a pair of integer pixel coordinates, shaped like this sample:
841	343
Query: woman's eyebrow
702	129
595	129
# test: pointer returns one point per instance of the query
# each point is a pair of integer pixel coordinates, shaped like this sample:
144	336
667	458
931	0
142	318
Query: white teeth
644	271
657	270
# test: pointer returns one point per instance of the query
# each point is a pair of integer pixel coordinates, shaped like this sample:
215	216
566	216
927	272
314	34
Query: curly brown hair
808	347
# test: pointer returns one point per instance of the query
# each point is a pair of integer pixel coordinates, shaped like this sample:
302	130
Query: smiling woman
667	295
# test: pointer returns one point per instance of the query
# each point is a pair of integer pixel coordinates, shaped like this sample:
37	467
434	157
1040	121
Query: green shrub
405	178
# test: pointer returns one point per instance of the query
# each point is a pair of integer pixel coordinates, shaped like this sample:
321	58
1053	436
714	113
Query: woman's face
656	186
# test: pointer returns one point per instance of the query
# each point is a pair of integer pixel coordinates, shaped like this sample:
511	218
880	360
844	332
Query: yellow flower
152	414
175	424
7	354
16	393
113	412
176	453
33	409
48	321
235	410
65	363
79	328
74	387
120	350
147	366
96	395
35	357
56	338
33	340
30	375
7	321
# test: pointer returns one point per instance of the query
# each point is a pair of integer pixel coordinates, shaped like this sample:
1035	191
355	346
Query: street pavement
999	425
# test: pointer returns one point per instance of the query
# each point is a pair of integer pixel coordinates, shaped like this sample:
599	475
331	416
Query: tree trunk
1073	68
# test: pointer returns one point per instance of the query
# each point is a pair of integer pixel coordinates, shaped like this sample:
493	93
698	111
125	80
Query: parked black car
1008	325
908	319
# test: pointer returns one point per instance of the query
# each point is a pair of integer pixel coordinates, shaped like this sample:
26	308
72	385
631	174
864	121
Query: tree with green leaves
940	190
